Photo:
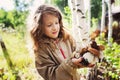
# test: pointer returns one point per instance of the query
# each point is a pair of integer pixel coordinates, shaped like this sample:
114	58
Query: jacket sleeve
49	70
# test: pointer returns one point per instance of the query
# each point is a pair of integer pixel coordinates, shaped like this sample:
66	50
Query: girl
53	46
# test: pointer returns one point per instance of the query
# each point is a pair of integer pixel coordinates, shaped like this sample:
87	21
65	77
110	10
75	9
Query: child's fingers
94	51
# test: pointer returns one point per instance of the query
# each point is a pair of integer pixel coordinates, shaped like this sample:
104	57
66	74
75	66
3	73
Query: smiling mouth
54	32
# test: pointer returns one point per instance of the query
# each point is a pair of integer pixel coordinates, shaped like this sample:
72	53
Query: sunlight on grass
19	55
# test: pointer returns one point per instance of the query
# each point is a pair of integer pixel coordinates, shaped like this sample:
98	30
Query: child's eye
56	23
49	25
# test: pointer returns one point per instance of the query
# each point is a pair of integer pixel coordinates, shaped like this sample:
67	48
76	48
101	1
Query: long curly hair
37	28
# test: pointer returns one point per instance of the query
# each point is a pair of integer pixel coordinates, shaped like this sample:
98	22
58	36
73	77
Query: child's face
51	25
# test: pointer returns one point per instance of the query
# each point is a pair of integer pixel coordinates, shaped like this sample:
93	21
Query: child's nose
54	27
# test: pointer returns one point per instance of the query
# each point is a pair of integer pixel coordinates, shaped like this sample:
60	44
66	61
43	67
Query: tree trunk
88	12
79	24
103	15
6	55
81	30
71	4
110	23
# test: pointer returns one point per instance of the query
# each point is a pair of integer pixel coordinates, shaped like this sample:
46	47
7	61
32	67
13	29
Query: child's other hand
77	61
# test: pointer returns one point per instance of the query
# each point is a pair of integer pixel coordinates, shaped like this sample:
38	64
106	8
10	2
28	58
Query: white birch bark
110	22
71	4
103	15
80	27
88	12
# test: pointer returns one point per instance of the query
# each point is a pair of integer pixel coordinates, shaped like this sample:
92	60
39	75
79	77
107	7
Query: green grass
19	55
16	48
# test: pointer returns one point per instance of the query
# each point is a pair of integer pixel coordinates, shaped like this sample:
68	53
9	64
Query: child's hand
91	50
94	48
94	51
77	61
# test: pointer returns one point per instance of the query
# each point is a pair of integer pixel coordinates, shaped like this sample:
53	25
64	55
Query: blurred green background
13	32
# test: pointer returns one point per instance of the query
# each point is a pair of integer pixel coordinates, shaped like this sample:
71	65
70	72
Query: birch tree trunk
81	30
71	4
79	26
110	22
88	12
103	15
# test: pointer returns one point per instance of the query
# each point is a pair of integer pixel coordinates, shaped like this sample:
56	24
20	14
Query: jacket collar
47	40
